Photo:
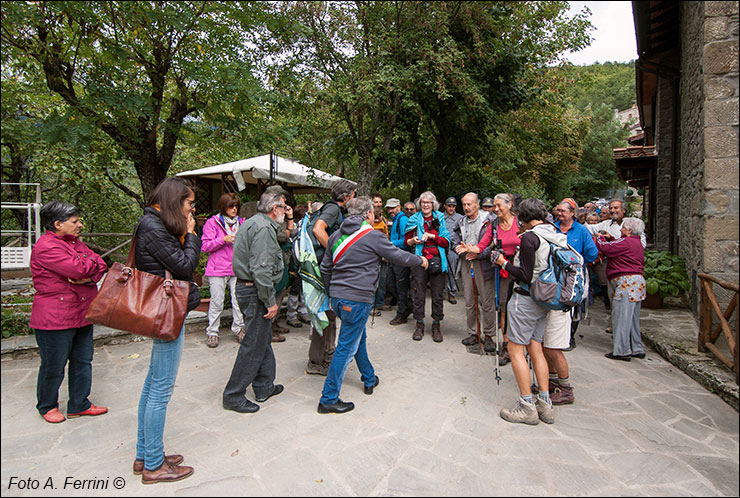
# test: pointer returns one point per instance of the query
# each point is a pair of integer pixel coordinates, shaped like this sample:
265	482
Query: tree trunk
365	174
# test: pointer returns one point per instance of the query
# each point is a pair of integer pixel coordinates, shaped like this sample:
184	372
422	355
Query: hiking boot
398	320
375	312
488	345
277	329
277	337
470	340
385	307
452	299
316	369
239	336
212	341
304	318
436	332
552	386
294	322
562	395
419	332
545	411
522	413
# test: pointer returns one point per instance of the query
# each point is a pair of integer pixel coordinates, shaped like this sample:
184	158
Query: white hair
427	196
635	225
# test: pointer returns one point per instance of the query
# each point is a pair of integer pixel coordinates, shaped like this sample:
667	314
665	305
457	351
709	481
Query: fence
708	336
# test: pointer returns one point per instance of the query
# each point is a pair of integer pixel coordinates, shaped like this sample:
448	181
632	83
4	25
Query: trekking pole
475	299
497	280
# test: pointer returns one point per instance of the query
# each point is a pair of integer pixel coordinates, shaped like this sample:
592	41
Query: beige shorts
557	330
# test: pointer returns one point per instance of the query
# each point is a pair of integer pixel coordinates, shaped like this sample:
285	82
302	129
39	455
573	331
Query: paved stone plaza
642	428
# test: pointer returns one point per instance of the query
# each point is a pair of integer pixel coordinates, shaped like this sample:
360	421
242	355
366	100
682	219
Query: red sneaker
54	416
92	411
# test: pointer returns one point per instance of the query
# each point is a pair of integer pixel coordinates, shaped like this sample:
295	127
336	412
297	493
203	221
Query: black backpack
317	247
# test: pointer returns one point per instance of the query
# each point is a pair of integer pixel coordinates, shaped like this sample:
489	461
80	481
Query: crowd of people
346	259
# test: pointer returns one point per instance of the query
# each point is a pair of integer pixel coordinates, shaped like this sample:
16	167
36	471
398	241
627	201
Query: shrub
665	273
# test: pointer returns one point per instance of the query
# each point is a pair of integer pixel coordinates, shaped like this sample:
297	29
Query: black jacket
157	249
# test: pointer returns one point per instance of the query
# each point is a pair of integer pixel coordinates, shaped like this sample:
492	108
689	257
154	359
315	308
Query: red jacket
59	304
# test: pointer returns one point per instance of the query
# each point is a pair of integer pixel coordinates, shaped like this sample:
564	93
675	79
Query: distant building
630	120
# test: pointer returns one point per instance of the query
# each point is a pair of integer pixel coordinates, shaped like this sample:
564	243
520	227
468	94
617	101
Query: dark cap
487	202
451	200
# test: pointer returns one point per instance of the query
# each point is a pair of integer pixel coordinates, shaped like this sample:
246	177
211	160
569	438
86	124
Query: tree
421	84
136	71
491	60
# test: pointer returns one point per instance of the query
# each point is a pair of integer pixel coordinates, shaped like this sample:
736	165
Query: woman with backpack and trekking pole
526	317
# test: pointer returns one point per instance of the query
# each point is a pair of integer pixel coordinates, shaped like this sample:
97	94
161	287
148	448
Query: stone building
687	94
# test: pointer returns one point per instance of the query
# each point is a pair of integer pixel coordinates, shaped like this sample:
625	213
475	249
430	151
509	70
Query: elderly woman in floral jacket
625	259
65	272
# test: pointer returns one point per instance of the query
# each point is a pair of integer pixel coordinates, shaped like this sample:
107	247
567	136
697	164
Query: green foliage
611	84
665	273
14	323
419	86
134	71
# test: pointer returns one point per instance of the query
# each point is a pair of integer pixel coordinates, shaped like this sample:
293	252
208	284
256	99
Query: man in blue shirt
399	274
556	341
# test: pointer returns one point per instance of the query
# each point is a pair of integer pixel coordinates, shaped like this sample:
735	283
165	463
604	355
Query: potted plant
665	274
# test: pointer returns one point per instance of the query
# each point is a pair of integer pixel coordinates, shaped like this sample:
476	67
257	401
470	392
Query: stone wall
721	143
664	123
691	176
708	182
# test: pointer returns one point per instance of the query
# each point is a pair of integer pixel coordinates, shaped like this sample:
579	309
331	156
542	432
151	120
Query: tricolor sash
345	241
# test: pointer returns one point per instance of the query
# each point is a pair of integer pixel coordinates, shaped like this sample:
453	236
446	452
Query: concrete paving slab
432	427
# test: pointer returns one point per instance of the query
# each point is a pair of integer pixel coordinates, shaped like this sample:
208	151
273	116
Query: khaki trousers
486	298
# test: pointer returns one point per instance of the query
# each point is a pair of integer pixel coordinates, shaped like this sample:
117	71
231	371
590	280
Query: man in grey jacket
258	267
350	271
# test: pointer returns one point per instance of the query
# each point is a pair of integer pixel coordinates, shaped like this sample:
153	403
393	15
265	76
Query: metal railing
708	336
13	257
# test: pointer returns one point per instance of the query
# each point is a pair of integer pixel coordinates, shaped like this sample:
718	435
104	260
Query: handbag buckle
168	285
126	273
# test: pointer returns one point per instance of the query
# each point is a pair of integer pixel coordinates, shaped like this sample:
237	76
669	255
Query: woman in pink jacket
65	272
218	240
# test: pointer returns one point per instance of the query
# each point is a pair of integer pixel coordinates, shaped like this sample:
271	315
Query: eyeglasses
281	206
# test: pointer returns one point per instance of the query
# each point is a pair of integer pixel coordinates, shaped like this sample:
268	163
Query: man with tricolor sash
350	271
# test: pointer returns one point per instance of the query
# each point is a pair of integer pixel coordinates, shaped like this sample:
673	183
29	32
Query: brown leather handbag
140	302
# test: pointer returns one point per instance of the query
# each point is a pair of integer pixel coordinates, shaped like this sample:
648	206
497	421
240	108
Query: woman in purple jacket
65	272
218	240
624	268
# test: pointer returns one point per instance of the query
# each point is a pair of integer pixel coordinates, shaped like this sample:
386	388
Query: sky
614	36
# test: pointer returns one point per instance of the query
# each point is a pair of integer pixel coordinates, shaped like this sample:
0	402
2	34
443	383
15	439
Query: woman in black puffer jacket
165	239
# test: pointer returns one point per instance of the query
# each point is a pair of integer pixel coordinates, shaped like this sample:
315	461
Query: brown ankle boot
419	332
166	473
436	333
172	459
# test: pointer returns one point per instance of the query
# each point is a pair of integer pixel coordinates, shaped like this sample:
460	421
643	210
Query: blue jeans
155	395
352	343
56	348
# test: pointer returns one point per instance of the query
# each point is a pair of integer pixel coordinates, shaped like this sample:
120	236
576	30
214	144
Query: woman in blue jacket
426	232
